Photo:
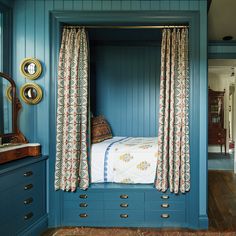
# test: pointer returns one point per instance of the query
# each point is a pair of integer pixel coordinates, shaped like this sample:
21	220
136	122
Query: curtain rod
126	27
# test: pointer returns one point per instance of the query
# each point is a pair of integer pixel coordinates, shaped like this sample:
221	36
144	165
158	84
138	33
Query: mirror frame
38	68
16	136
32	101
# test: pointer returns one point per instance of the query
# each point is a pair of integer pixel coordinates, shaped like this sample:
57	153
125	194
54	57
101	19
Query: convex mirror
31	93
31	68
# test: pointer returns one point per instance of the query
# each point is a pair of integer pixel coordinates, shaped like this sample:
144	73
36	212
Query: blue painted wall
31	38
127	86
222	50
8	3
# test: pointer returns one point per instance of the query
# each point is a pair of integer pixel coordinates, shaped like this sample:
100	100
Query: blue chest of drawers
109	205
23	197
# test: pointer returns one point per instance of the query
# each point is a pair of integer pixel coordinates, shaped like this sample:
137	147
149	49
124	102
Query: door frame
223	50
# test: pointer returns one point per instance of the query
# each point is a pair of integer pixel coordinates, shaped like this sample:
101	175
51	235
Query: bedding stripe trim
107	155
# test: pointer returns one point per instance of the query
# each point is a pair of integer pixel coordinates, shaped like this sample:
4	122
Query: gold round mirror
31	93
31	68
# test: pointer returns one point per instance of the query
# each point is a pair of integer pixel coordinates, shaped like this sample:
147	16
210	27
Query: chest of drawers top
4	168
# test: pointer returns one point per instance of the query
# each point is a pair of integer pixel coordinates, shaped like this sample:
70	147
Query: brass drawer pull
84	196
28	173
164	196
124	205
83	215
165	205
165	216
124	196
28	216
124	215
28	186
28	201
83	204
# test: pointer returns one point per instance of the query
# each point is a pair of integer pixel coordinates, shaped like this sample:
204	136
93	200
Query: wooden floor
222	200
221	212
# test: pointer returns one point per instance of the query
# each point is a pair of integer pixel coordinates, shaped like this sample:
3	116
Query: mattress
130	160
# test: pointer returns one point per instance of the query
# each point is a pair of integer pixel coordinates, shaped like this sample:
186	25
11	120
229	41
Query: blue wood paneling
221	50
127	87
32	38
203	118
7	3
29	112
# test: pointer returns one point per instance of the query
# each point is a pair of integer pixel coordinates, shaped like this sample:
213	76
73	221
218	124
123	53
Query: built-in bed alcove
124	87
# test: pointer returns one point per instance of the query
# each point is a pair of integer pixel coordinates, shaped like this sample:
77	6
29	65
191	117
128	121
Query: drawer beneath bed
165	218
159	196
164	205
84	217
124	195
88	195
115	205
124	205
124	218
84	204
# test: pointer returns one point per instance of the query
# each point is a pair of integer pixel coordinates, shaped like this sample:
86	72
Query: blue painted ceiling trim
221	43
222	55
123	18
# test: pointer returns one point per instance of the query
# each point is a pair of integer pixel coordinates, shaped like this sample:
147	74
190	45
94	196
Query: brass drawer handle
165	216
28	173
124	205
83	204
28	186
165	205
28	216
28	201
124	215
83	215
84	196
164	196
124	196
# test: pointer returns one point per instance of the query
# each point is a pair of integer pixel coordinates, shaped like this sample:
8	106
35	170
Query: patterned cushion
100	129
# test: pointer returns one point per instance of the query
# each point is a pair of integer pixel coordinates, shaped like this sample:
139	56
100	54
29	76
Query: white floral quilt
124	160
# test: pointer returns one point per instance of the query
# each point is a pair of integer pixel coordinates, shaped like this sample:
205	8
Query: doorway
221	165
221	114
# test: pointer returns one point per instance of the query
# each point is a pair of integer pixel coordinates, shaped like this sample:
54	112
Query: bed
130	160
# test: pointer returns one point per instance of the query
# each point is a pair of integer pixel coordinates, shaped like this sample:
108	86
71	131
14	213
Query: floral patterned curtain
71	169
173	165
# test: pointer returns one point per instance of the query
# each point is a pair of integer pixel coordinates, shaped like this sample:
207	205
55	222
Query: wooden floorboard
222	200
221	212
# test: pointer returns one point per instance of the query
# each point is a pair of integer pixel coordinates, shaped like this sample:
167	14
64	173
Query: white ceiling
222	67
222	19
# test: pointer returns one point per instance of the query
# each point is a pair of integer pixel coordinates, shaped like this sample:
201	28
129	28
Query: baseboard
36	228
203	222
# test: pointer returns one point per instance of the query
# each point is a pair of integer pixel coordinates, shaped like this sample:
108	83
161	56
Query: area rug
80	231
